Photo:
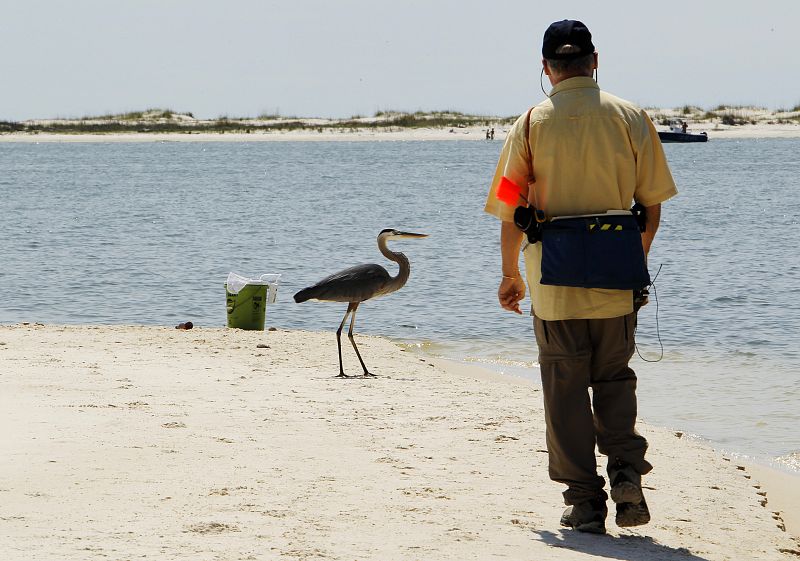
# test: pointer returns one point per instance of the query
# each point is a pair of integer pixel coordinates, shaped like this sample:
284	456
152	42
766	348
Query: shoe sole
631	507
629	515
627	492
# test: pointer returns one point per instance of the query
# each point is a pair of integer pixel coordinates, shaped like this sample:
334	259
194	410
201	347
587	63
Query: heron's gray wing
355	284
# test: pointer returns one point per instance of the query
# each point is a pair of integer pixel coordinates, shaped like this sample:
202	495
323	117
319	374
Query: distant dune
158	124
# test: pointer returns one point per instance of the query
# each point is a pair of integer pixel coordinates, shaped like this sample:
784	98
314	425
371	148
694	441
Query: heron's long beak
409	235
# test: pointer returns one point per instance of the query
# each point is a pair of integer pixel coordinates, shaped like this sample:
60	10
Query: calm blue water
146	233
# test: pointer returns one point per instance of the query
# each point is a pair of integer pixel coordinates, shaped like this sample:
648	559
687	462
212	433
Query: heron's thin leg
353	341
339	339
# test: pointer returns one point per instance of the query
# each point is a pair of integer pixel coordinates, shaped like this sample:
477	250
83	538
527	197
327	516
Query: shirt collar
574	84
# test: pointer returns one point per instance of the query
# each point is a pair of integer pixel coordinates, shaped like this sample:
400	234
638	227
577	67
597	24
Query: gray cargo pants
575	355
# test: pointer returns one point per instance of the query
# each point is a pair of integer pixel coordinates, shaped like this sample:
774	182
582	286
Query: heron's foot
364	375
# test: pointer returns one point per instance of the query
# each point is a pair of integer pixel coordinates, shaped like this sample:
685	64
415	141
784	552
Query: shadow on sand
626	548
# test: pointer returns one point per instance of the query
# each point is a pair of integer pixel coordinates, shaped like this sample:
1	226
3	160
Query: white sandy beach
714	131
154	443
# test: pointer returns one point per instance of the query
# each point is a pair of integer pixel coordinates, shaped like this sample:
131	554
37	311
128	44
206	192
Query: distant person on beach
585	152
491	134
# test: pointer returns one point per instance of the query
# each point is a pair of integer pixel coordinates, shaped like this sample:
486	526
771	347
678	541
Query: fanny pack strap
528	151
531	178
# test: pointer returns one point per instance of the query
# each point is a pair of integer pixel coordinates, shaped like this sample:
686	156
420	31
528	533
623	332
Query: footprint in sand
211	528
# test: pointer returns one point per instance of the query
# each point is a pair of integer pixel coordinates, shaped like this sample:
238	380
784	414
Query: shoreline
715	131
518	373
432	459
779	483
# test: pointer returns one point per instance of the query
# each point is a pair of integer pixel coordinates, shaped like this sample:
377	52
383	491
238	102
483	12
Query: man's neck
555	79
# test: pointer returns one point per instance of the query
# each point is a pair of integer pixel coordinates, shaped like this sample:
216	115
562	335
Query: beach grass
165	120
170	121
726	114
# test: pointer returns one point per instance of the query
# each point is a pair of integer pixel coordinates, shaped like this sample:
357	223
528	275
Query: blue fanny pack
594	251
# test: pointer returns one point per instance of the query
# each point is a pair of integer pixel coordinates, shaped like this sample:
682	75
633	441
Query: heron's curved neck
405	267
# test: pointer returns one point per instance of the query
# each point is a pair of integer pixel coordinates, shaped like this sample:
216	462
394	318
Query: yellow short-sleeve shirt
591	152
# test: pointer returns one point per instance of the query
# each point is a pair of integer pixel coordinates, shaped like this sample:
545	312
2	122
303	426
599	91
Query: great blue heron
360	283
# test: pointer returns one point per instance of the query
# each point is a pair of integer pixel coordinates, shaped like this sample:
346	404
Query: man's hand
511	293
512	287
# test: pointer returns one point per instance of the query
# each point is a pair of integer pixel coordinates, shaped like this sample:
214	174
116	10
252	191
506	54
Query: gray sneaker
588	516
632	514
626	492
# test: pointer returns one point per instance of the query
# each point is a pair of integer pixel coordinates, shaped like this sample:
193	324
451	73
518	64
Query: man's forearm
653	216
510	243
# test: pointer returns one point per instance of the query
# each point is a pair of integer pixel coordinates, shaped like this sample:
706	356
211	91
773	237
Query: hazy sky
338	58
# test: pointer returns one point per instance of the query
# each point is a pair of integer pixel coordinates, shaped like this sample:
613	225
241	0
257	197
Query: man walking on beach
582	151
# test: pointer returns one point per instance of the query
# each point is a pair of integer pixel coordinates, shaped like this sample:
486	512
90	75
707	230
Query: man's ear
546	67
595	61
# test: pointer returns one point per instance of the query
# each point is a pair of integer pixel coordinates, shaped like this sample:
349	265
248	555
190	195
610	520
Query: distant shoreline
399	135
165	125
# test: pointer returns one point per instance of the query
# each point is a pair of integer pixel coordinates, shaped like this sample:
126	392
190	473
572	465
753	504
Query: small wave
502	362
790	460
431	347
758	342
730	300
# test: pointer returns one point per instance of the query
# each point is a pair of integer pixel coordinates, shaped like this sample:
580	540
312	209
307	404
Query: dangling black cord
658	331
541	84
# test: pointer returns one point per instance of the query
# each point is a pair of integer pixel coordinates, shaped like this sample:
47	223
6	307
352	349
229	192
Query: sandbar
133	442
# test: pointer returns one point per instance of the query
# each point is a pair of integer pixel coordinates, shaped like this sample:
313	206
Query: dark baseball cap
567	32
